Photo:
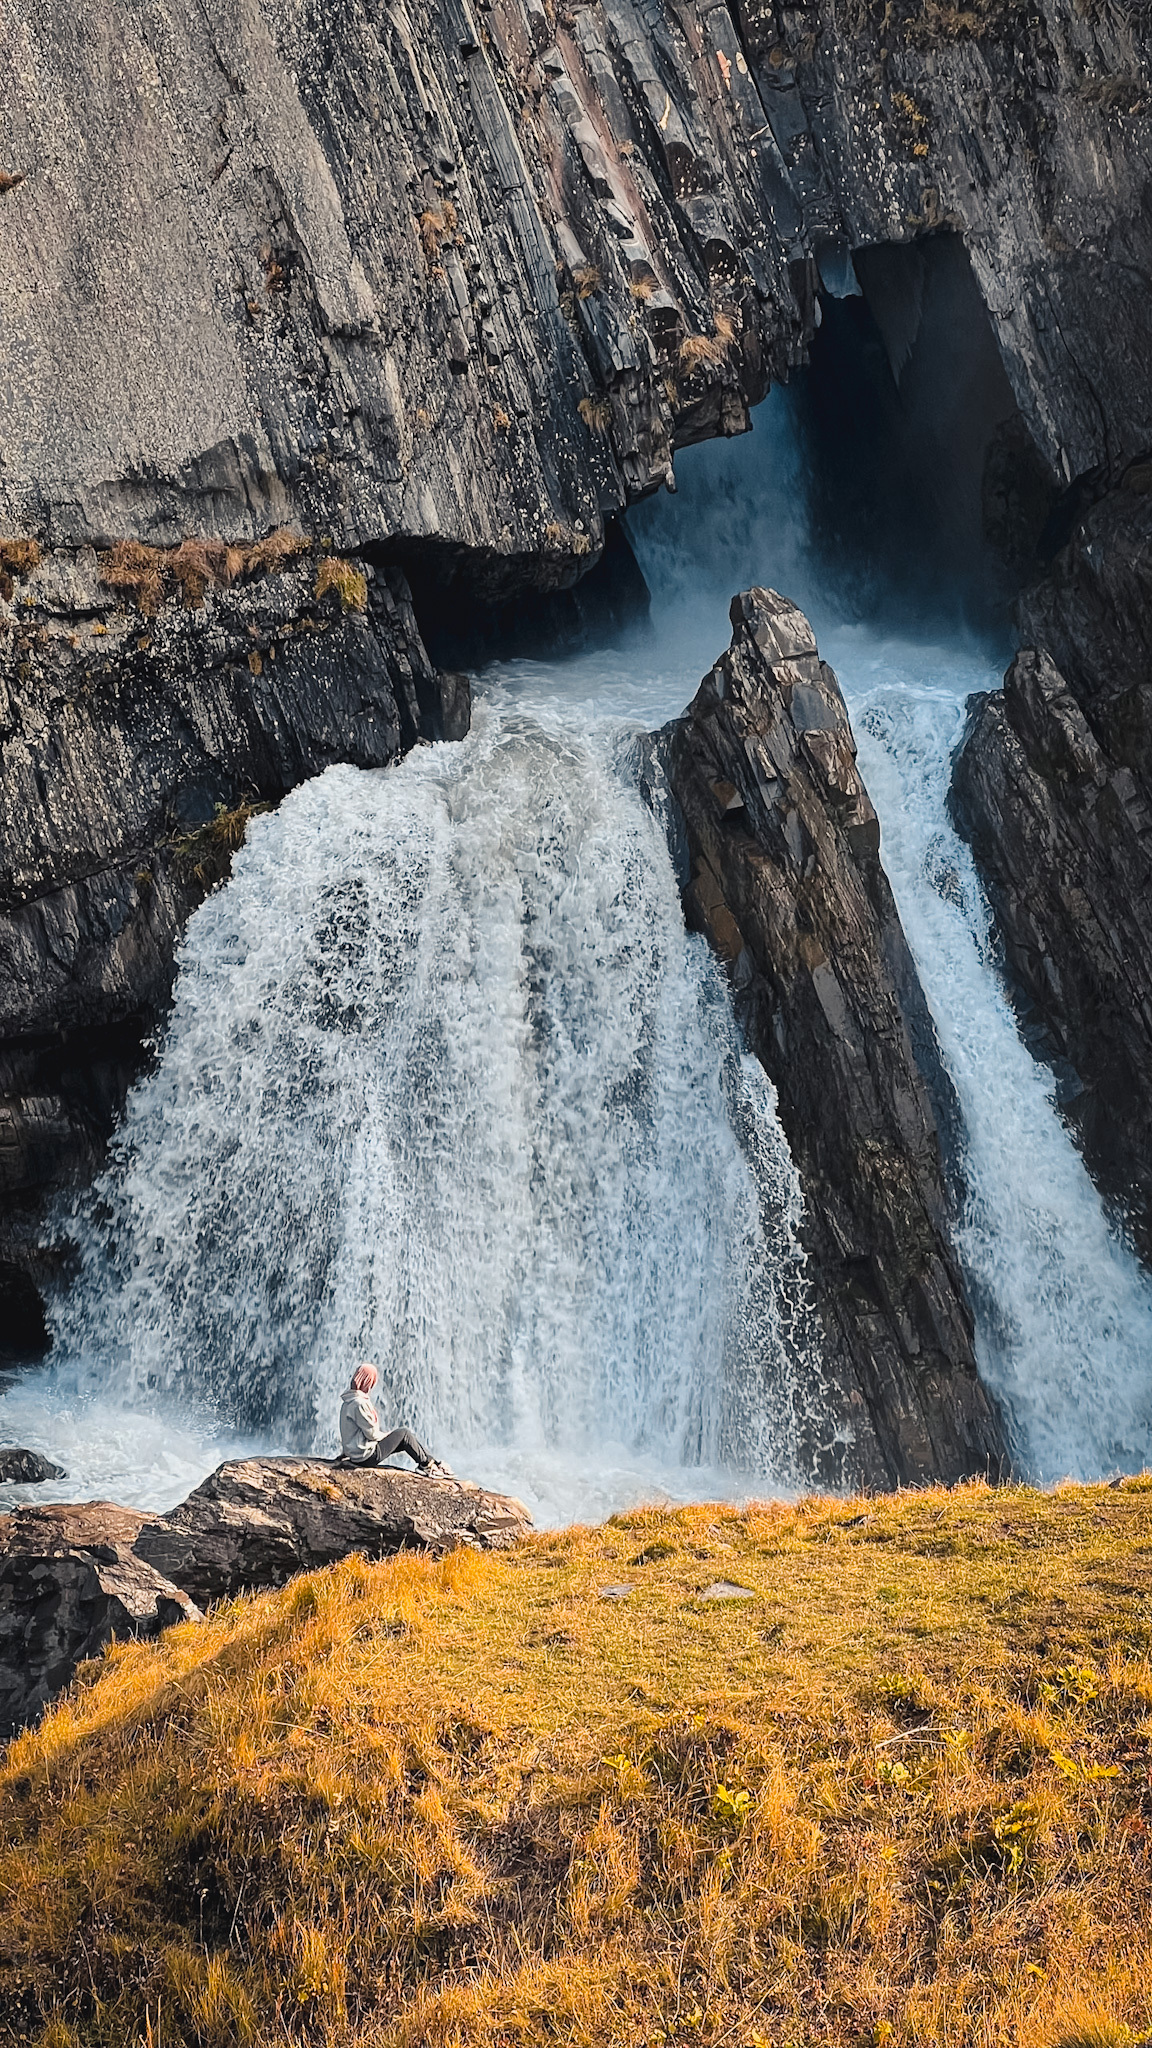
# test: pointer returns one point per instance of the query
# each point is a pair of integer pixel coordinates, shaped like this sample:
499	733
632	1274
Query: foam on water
1063	1308
448	1085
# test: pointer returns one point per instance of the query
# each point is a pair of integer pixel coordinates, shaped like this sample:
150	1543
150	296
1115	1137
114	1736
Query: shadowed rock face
123	738
72	1578
1053	786
787	882
70	1582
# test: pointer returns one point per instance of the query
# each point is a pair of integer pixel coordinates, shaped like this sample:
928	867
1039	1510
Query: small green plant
1015	1832
207	851
730	1807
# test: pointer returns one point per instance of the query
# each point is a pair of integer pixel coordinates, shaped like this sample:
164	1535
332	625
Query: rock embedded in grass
69	1583
74	1577
258	1521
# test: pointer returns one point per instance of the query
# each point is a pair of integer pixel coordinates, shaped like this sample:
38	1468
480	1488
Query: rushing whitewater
448	1085
1063	1308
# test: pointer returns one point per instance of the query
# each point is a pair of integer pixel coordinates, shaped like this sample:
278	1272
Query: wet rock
70	1582
448	300
26	1468
787	882
1053	787
134	748
257	1521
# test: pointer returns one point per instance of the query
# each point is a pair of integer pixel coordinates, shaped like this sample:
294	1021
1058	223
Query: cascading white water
1063	1308
449	1086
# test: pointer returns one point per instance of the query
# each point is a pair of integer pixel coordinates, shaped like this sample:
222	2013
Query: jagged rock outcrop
786	879
1023	130
259	1520
69	1582
72	1578
1053	786
446	288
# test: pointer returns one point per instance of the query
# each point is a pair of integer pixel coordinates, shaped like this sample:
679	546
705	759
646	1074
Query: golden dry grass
596	412
347	582
206	852
900	1797
148	576
18	557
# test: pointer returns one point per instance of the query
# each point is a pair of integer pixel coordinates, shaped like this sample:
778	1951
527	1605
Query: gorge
336	353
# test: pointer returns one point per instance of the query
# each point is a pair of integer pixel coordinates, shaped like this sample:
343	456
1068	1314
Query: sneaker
436	1469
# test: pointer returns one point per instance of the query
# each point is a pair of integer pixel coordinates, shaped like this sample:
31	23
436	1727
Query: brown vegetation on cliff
149	577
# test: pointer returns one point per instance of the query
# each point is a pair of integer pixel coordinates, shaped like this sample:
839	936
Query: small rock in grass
615	1592
723	1589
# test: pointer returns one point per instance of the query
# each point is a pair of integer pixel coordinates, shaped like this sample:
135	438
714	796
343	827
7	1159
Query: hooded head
365	1378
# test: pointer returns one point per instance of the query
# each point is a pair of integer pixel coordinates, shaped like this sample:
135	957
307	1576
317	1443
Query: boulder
786	880
69	1582
257	1521
26	1468
72	1578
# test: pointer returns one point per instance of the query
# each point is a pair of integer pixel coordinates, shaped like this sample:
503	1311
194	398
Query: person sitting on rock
363	1442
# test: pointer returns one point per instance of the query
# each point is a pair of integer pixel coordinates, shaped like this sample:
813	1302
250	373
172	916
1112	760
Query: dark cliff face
787	882
441	290
1053	786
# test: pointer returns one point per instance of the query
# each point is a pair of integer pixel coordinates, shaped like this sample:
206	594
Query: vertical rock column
786	881
1053	787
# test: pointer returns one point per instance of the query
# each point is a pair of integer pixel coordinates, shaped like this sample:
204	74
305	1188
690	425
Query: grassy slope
474	1802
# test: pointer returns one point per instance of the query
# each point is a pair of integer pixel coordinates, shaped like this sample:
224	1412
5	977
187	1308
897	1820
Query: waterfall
1063	1307
447	1085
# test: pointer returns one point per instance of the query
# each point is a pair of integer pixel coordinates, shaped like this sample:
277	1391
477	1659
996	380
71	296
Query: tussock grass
18	557
347	582
698	350
207	851
148	576
437	226
596	412
901	1796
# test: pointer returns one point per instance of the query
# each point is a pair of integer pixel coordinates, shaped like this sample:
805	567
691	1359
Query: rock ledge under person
363	1442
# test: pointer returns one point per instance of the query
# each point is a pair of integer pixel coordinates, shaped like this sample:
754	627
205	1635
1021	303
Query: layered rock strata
1053	786
786	880
74	1578
135	744
447	288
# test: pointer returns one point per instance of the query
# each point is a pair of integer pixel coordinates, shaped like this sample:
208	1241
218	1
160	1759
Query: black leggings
399	1440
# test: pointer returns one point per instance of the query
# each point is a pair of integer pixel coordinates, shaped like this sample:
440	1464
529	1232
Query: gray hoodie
360	1431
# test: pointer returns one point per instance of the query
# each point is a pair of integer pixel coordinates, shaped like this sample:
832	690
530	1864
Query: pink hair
365	1378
